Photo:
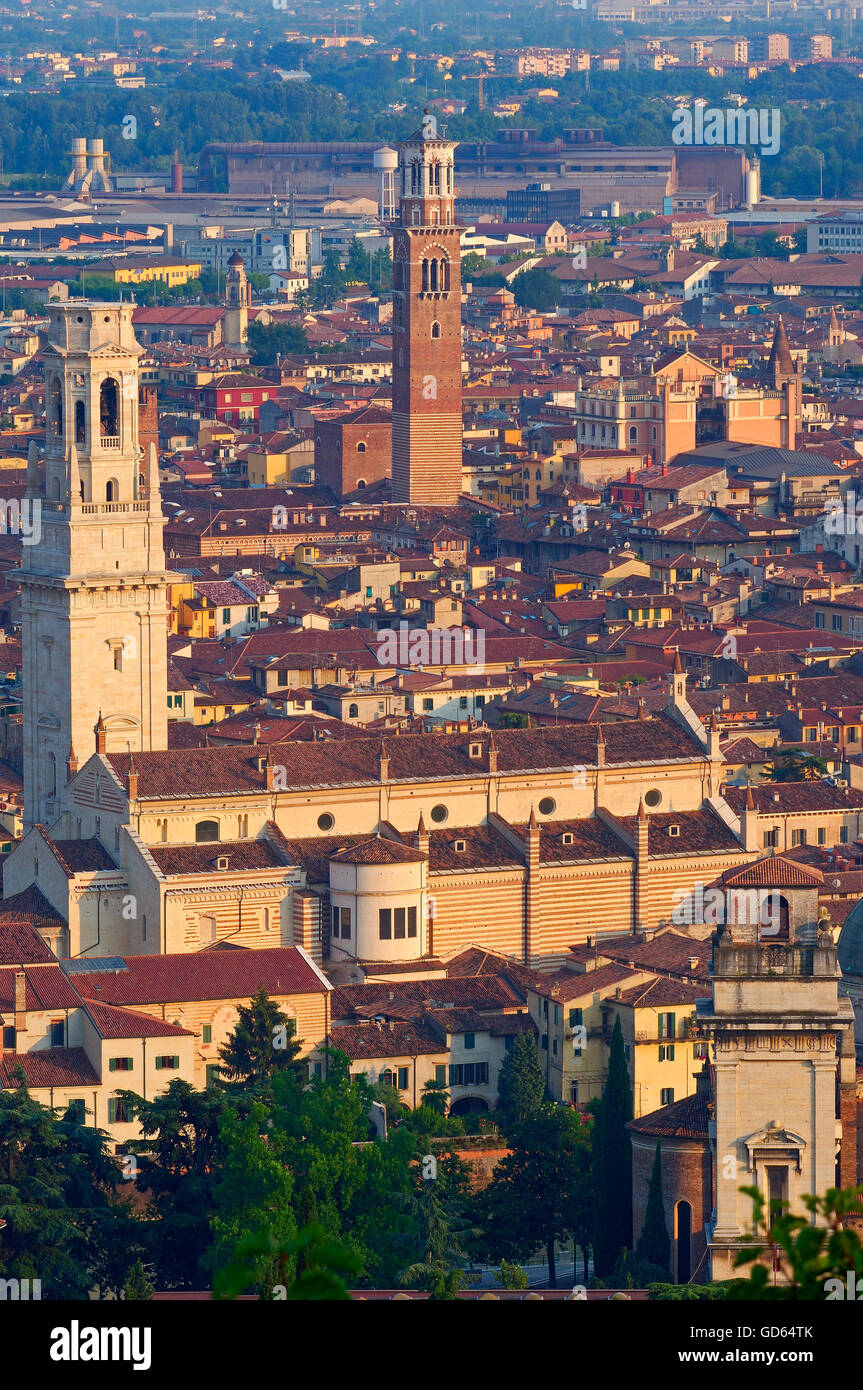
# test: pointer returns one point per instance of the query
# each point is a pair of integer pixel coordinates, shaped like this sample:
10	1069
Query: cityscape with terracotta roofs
431	665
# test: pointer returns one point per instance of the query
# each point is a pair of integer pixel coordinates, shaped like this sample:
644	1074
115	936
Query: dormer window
674	830
476	750
222	861
567	837
460	846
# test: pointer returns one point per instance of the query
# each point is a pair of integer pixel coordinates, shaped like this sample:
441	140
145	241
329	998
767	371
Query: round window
653	797
439	814
326	821
547	806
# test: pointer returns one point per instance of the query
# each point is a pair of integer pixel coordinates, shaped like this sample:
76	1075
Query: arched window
633	435
109	425
111	490
361	482
425	279
57	406
683	1242
50	775
388	1078
80	423
444	274
206	831
208	930
433	285
353	711
435	329
361	447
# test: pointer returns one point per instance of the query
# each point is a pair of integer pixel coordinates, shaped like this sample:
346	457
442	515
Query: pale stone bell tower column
94	597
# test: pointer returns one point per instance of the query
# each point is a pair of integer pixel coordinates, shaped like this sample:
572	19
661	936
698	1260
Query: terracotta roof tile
112	1022
203	975
683	1119
368	1040
49	1066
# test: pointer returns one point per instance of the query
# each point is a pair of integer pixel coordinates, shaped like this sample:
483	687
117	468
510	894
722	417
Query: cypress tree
654	1245
612	1163
520	1082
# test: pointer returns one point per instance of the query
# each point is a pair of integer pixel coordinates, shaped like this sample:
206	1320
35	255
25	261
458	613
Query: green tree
473	264
437	1208
436	1096
180	1159
520	1082
252	1199
537	289
654	1245
511	1276
612	1163
533	1197
137	1286
798	767
814	1259
320	1263
56	1181
268	342
262	1042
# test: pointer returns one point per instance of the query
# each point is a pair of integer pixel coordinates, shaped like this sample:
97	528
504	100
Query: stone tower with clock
427	353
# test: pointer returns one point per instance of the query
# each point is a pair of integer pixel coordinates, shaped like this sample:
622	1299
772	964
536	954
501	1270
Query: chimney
383	763
71	764
421	836
600	747
492	754
132	780
20	1004
642	852
693	962
101	735
269	770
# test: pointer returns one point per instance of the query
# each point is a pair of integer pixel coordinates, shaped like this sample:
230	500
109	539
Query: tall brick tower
427	419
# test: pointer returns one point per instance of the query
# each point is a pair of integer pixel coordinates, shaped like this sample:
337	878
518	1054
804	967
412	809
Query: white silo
386	163
753	184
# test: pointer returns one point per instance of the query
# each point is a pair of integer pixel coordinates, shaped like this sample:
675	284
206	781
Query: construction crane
479	79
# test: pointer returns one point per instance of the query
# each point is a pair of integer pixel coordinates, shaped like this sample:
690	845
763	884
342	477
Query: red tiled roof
365	1040
112	1022
412	757
49	1066
242	855
47	988
203	975
379	851
774	872
683	1119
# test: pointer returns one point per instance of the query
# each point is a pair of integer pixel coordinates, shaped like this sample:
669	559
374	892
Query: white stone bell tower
236	331
94	604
